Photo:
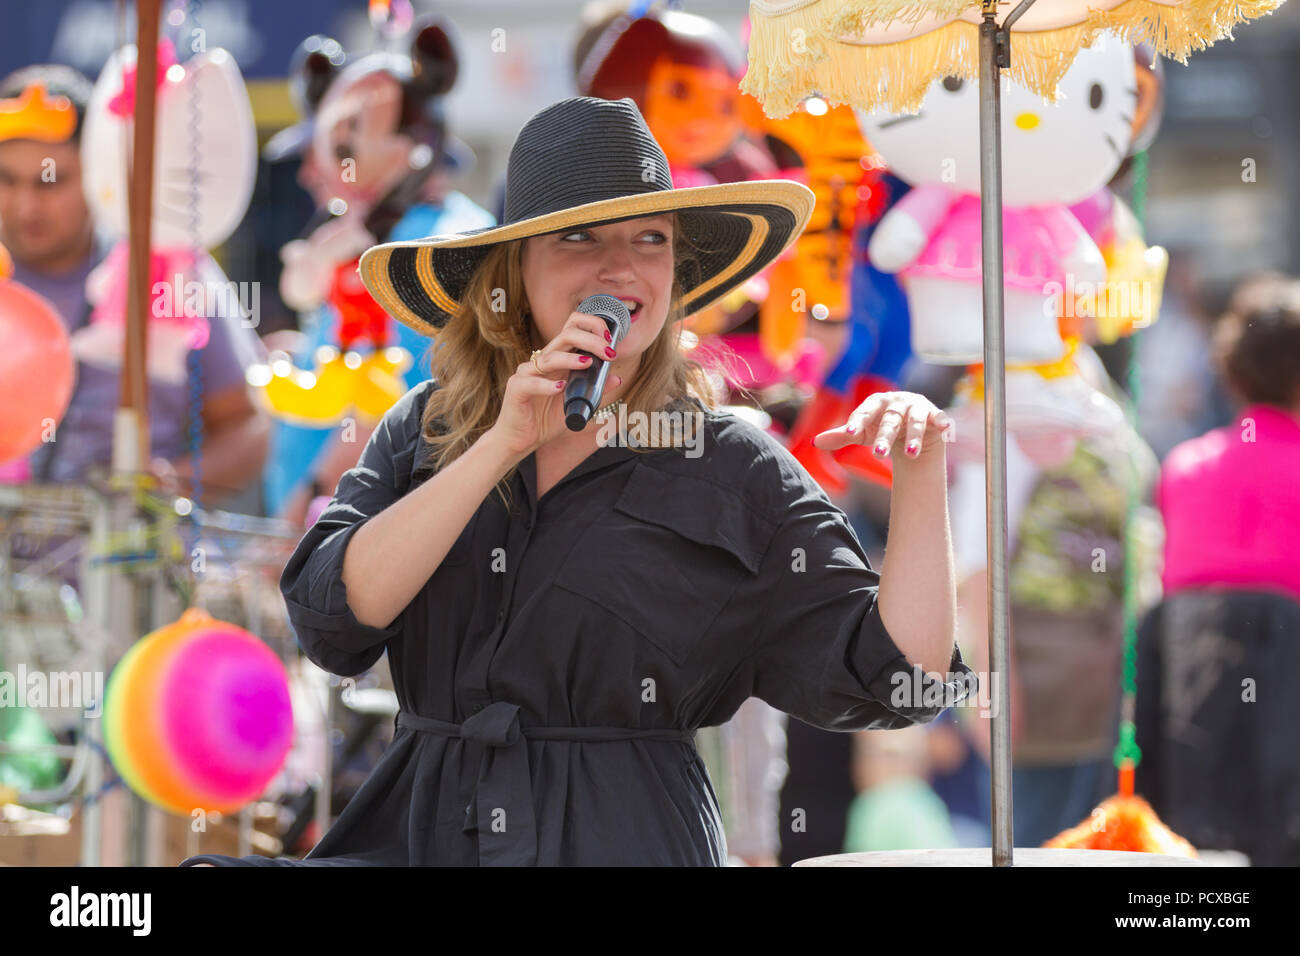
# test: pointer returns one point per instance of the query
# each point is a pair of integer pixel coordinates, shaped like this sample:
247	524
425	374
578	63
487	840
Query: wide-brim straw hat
585	162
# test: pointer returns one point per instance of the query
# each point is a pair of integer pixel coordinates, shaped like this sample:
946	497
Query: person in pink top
1215	714
1231	498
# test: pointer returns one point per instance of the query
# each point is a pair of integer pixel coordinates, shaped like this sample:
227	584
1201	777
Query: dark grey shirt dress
553	670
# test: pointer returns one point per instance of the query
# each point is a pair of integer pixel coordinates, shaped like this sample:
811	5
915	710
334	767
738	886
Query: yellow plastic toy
342	383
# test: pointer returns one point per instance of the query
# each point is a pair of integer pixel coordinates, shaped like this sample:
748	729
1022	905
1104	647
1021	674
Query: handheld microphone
582	393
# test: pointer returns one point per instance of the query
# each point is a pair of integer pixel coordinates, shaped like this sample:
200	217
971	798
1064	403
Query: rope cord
1127	754
193	358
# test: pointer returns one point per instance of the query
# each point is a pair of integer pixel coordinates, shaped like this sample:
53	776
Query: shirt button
501	614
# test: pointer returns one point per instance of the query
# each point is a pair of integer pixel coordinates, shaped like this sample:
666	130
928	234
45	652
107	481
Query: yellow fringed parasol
885	54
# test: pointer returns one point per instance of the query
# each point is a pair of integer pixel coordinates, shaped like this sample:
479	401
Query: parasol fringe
896	76
1177	32
855	16
810	47
783	50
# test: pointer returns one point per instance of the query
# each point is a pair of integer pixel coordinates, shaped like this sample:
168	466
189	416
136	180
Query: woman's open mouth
633	307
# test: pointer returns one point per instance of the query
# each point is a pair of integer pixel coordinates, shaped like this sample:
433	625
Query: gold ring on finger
536	352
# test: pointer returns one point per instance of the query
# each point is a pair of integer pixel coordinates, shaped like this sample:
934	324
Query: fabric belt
502	811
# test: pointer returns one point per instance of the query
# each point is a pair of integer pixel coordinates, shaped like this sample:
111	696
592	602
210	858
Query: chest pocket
668	557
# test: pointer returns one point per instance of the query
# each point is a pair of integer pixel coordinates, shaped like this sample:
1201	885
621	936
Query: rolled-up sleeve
823	654
312	582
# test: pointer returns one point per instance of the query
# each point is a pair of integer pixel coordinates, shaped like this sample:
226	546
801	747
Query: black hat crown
582	162
582	150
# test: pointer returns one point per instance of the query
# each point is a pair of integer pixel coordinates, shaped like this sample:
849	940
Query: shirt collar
604	456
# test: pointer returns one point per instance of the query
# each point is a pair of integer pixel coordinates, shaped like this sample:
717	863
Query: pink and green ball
197	716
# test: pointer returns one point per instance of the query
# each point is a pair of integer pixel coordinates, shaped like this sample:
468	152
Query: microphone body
585	386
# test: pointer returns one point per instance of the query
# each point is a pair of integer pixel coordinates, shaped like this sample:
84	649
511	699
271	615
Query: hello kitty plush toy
205	165
1053	156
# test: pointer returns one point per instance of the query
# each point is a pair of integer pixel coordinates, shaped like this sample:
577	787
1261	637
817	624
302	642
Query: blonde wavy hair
489	337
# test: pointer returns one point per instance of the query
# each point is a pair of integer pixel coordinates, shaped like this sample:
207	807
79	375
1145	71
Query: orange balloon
37	370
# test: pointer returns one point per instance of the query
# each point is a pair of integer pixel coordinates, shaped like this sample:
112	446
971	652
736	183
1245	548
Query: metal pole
131	438
324	786
98	583
134	390
995	432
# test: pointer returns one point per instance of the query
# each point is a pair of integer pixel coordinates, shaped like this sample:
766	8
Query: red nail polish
610	352
559	385
608	337
913	447
584	358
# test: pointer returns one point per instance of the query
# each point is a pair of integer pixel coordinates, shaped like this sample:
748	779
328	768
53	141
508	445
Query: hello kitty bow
884	54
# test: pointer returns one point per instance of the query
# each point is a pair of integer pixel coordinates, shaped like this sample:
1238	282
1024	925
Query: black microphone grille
609	306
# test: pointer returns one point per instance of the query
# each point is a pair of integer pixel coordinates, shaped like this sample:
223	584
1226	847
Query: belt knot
496	725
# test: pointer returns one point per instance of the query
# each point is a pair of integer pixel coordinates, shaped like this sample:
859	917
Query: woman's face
631	260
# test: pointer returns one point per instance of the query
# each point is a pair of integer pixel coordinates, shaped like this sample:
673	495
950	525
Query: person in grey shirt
48	229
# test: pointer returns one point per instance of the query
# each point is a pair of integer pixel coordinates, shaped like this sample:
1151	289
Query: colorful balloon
681	71
197	716
1054	156
1075	267
37	371
342	383
204	173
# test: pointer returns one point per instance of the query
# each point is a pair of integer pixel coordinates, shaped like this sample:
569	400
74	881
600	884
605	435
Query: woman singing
562	611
